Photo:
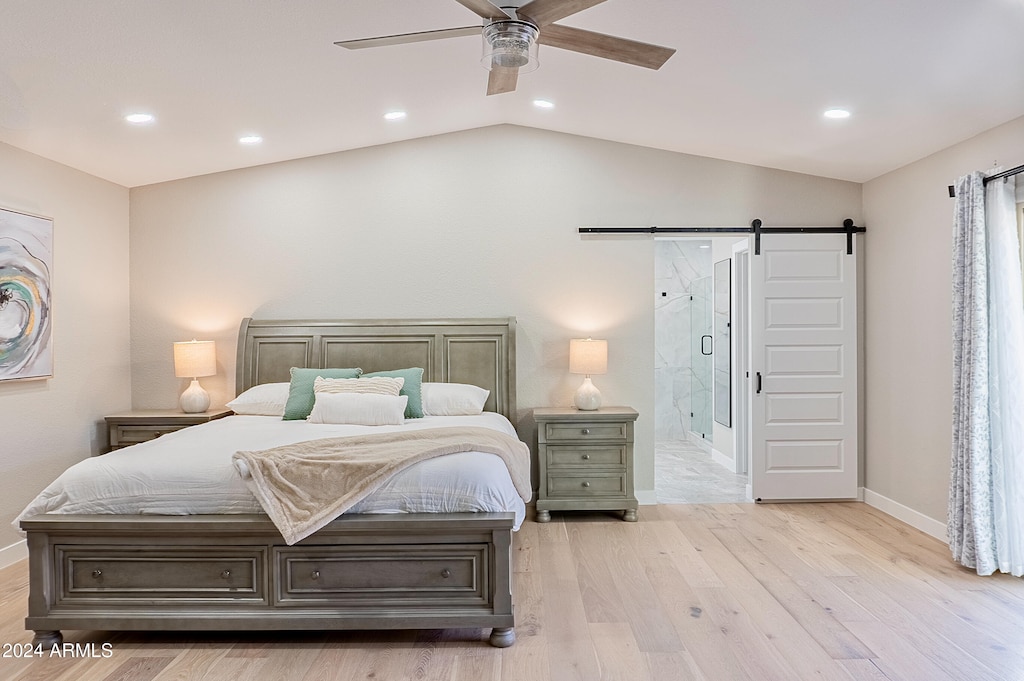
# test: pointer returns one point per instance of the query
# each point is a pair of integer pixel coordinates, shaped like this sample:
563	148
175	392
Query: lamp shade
588	356
193	359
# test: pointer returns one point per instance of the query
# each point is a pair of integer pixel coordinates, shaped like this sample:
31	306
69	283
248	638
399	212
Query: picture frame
26	270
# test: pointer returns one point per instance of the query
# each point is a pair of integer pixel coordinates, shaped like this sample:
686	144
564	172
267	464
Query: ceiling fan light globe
510	44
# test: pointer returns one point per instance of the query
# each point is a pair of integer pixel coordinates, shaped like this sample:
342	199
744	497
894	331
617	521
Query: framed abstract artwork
26	263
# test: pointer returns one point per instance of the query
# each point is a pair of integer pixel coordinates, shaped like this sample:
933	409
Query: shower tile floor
686	474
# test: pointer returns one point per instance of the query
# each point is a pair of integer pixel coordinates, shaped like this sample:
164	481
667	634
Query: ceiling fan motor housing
510	43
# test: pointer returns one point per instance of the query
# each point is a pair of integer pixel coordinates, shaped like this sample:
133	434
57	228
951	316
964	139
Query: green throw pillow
413	388
300	390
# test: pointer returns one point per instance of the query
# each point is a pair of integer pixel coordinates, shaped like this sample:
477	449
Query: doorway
695	458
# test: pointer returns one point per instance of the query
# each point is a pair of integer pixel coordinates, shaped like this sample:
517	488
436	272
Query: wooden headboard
477	351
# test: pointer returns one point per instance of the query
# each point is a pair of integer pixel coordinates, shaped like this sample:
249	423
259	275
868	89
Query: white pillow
266	399
453	399
375	385
359	409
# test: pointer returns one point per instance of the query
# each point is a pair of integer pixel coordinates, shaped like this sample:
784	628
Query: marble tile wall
678	265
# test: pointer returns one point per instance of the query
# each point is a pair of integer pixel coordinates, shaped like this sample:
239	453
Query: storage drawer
160	573
370	575
568	456
130	435
582	485
581	430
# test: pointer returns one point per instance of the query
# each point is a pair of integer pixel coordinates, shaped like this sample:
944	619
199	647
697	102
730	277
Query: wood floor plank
335	661
525	548
807	538
900	659
910	602
863	670
673	667
138	669
641	606
196	662
571	654
473	668
687	558
778	574
602	604
617	653
701	638
729	592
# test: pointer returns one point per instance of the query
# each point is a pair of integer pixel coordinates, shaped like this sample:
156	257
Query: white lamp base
587	397
195	399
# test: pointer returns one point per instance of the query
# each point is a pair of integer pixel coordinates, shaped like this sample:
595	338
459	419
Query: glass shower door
701	352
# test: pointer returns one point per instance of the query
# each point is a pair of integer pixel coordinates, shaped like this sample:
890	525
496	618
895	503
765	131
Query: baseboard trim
723	460
916	519
13	553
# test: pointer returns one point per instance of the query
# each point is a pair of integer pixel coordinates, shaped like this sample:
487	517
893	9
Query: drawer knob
446	573
585	431
96	574
585	457
315	574
586	483
226	574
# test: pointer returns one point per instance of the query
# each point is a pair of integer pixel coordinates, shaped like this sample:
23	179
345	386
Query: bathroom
695	456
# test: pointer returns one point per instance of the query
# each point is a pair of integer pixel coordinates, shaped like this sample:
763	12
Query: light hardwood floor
718	592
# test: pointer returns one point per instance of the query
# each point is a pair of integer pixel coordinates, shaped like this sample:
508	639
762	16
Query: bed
233	571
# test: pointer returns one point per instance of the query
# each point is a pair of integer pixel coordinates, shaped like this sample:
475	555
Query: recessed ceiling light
394	115
250	139
140	118
837	113
543	104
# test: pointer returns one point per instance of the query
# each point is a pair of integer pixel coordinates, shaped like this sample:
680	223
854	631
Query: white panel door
803	314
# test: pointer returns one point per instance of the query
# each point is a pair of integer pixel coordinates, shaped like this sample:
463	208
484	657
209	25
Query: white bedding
190	472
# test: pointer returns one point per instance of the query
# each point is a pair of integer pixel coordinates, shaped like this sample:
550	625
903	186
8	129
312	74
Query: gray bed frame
235	572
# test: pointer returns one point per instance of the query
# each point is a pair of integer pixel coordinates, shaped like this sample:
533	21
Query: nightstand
132	427
585	460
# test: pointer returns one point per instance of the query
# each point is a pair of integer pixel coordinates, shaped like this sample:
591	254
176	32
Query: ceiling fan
511	34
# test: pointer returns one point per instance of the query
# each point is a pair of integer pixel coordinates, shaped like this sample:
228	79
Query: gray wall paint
908	337
50	424
475	223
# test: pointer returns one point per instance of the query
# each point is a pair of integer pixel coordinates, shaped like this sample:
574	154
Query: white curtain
986	500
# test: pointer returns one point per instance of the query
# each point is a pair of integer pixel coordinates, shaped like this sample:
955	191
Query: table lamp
588	356
193	359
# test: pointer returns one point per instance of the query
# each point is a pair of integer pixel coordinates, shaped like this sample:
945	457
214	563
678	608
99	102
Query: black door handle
758	382
702	344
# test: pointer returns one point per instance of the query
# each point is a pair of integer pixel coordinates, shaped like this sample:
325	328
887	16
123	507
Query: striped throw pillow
378	385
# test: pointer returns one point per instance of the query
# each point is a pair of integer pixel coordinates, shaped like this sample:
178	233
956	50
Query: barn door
803	314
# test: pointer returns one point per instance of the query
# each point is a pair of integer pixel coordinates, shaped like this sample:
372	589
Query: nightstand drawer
584	456
131	428
582	485
583	430
130	435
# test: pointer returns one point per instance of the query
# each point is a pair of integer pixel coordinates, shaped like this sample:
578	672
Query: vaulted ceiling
749	81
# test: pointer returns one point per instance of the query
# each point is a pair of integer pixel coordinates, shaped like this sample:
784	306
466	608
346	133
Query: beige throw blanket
306	485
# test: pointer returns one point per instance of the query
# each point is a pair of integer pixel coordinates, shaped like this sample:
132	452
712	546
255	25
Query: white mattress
190	472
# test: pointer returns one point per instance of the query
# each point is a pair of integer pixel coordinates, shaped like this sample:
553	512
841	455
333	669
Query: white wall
476	223
908	340
721	249
50	424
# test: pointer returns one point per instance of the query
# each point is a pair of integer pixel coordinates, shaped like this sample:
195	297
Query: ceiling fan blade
502	79
606	46
403	38
485	9
544	12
